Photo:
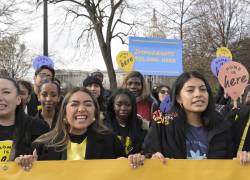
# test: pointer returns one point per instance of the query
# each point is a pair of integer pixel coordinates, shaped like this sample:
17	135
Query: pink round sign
233	77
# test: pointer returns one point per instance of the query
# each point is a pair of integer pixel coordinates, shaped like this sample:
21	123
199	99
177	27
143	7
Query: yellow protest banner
125	60
120	170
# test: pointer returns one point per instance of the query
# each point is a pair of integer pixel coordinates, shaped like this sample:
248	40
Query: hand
159	156
136	160
26	161
244	157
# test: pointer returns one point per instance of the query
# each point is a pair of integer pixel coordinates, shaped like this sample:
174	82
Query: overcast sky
62	43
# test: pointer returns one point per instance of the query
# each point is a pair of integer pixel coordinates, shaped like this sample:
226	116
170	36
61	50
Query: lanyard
243	137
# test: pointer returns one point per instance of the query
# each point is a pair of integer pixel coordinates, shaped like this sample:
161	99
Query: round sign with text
125	60
42	61
223	51
233	77
217	63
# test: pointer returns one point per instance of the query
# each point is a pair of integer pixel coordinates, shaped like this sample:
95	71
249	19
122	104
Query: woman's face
134	85
122	107
163	93
80	112
48	96
24	94
95	89
9	98
193	96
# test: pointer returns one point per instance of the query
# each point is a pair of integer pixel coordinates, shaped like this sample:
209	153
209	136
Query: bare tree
222	21
13	54
218	23
100	18
8	17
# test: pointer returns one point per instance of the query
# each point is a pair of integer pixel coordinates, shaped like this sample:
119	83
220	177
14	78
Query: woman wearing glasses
162	92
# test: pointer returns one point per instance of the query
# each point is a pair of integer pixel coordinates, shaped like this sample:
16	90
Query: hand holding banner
233	77
125	60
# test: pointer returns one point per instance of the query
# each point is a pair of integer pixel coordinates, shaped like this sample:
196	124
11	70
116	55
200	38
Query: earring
181	105
65	121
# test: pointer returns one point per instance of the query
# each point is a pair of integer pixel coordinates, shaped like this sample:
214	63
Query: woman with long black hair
192	130
121	117
17	130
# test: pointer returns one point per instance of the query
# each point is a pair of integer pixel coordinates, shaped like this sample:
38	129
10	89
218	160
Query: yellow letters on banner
120	170
223	51
125	60
5	149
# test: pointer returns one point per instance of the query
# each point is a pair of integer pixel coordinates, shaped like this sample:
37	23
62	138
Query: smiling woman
48	95
17	130
78	133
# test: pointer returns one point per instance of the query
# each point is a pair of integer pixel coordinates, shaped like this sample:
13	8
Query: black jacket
40	117
99	146
239	118
25	133
168	137
134	132
33	105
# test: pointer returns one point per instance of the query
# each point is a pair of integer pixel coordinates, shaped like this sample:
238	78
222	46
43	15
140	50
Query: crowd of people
40	122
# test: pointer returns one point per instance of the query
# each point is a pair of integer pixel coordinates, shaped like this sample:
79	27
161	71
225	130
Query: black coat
134	132
239	118
168	137
99	146
33	105
25	133
40	117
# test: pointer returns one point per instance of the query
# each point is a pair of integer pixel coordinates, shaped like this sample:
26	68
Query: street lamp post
45	28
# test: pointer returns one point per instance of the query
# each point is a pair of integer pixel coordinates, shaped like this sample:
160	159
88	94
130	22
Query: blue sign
155	56
217	63
41	61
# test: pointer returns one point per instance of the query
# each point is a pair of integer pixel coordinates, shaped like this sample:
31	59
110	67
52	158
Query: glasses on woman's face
163	91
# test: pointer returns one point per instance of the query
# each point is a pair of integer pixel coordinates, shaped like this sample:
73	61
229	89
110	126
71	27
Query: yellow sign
125	60
120	170
223	51
5	149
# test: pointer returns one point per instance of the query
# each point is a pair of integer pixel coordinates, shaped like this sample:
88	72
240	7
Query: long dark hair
20	137
59	136
158	89
208	116
134	124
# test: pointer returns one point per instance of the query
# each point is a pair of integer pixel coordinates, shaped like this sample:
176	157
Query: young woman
17	130
162	92
49	97
78	133
25	93
145	102
94	85
193	130
121	117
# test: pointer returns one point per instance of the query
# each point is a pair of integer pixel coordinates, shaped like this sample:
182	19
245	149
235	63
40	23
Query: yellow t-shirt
76	151
5	149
